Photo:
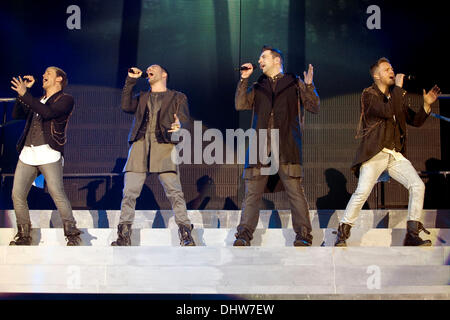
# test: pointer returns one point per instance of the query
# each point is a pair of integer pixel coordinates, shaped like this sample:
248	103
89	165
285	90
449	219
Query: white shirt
397	155
39	155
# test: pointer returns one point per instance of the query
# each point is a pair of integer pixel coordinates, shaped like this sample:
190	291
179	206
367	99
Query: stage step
226	270
224	237
368	219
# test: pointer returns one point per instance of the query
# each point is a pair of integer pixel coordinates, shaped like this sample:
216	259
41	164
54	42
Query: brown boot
303	238
23	236
123	236
184	233
343	234
72	234
243	237
413	228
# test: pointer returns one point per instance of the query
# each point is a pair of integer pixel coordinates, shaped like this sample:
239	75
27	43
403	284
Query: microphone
409	77
244	68
25	79
143	75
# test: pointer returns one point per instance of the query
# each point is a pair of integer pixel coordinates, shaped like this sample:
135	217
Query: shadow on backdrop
337	197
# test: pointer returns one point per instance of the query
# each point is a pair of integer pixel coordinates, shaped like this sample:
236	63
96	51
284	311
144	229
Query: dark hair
60	73
275	52
375	66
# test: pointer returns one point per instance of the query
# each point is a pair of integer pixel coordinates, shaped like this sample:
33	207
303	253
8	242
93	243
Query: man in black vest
278	101
159	113
382	130
41	149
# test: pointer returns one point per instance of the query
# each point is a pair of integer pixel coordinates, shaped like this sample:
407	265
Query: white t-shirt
39	155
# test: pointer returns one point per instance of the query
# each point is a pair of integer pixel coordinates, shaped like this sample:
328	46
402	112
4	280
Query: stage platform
375	265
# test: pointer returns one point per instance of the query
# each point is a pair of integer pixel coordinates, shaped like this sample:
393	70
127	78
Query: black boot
72	234
343	234
303	238
243	237
123	235
184	233
23	236
413	228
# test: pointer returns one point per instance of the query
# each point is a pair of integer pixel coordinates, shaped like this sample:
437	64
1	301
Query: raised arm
20	111
309	96
63	105
418	118
129	103
308	93
244	97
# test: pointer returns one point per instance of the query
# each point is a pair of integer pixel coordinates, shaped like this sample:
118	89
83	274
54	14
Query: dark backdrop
201	42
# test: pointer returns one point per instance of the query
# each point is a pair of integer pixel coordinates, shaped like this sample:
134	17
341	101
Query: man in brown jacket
384	115
278	100
159	113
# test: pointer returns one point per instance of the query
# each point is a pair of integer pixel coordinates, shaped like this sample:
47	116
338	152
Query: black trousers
254	189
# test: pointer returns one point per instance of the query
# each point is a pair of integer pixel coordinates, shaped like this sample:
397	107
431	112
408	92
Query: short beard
153	81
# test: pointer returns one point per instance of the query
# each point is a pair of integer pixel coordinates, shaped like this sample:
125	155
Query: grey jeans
23	180
134	181
401	171
254	189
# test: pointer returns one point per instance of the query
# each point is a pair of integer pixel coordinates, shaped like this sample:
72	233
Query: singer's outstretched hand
430	98
19	86
247	73
309	76
176	125
137	73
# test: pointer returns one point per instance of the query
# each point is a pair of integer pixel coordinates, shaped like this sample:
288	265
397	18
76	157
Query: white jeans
400	170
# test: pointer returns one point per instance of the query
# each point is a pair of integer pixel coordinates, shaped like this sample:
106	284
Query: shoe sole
241	243
302	244
340	245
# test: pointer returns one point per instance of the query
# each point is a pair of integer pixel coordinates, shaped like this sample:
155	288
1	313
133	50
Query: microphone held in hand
244	68
143	75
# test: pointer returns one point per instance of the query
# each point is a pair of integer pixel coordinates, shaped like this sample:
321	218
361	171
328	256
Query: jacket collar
53	97
375	87
284	82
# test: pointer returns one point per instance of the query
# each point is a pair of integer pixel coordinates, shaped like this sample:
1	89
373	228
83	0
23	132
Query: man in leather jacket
159	113
382	129
41	149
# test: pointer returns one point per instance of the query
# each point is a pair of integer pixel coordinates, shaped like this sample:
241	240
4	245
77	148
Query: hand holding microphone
246	70
399	78
134	73
29	81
